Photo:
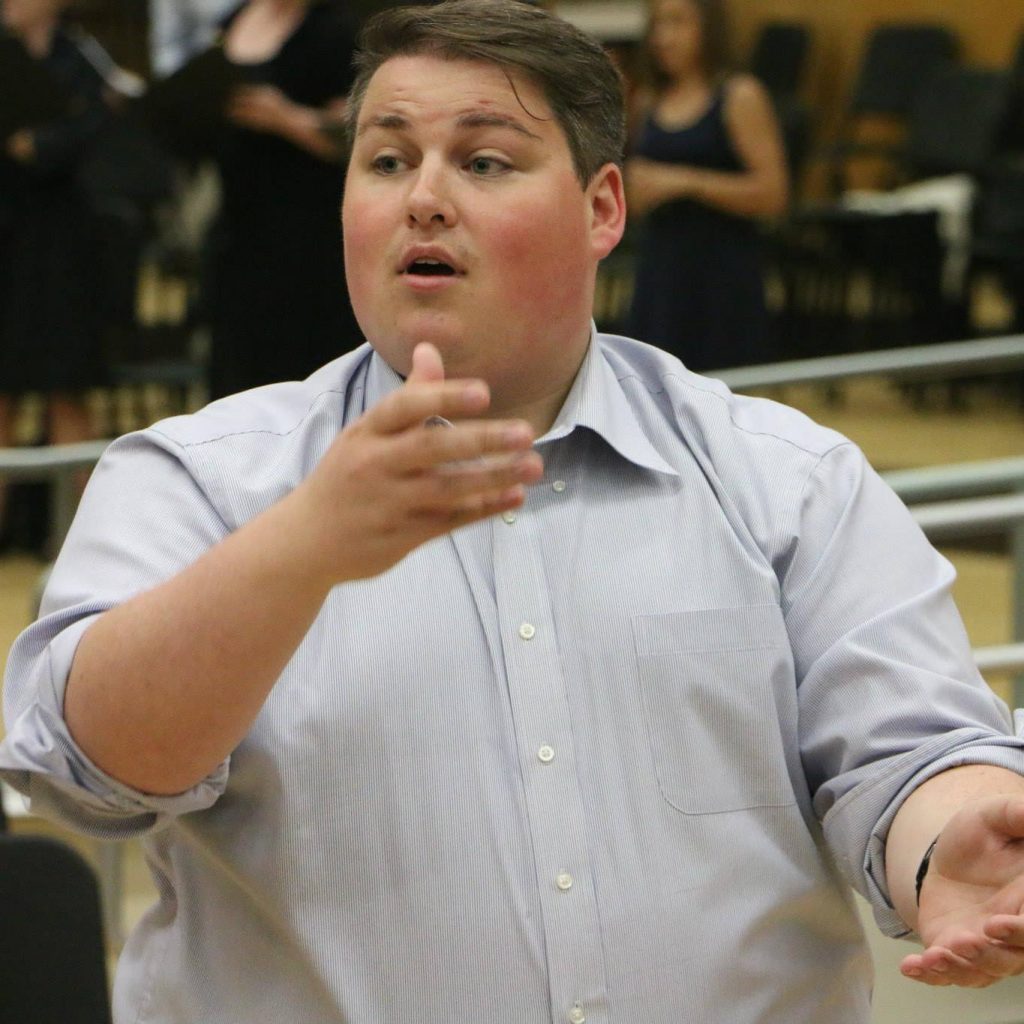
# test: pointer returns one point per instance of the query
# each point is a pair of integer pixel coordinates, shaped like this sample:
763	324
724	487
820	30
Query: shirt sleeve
142	519
888	691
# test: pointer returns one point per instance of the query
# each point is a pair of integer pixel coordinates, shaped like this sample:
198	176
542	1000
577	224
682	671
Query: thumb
427	365
1005	814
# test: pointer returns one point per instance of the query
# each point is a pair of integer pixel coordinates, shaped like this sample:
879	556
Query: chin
449	334
397	344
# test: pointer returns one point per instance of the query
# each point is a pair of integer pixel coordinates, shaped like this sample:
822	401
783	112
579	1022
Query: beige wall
988	30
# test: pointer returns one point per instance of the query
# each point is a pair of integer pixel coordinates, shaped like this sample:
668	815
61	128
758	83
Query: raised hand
391	481
971	916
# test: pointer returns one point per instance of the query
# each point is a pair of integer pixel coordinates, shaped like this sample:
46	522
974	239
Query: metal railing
984	477
59	464
972	517
947	359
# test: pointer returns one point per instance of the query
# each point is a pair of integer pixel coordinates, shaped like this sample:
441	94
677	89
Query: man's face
465	225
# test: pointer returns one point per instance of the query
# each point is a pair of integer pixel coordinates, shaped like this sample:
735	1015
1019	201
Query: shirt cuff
40	759
851	817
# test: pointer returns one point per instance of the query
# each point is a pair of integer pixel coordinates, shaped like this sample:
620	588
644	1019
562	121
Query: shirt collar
595	401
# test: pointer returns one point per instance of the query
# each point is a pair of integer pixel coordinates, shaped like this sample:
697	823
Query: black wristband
922	870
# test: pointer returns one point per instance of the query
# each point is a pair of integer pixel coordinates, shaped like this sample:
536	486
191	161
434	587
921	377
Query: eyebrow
475	119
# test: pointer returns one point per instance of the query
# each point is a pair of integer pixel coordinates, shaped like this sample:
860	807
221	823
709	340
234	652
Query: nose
430	201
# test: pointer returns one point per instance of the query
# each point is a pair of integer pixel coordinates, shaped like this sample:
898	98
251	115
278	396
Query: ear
606	198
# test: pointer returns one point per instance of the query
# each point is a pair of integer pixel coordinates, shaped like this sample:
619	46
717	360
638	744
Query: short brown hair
579	81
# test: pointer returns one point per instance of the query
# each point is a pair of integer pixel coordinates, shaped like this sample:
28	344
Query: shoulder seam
242	433
752	433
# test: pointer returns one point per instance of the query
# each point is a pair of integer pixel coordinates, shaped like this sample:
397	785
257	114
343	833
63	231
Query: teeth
429	262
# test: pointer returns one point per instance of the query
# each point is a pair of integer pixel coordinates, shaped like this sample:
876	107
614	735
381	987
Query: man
410	744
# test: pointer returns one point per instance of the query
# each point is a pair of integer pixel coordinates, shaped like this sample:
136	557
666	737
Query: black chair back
898	60
957	121
779	56
1013	129
52	967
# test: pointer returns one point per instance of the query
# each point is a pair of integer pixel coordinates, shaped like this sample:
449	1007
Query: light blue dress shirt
613	757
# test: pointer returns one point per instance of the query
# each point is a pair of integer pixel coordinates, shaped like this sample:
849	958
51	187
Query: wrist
922	869
289	533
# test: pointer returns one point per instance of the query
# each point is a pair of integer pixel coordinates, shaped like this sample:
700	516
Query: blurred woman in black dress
49	321
276	296
707	163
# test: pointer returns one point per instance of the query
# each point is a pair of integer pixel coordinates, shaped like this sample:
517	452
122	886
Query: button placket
539	703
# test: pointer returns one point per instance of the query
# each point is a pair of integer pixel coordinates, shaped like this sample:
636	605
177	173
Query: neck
540	413
688	82
541	410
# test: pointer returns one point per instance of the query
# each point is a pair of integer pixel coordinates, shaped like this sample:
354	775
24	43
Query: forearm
742	193
923	816
309	129
165	686
739	193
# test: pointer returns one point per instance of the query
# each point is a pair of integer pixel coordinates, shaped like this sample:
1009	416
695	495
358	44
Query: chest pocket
716	685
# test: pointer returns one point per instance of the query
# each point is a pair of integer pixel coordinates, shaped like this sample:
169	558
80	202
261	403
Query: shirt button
564	881
576	1015
509	516
558	485
527	631
546	754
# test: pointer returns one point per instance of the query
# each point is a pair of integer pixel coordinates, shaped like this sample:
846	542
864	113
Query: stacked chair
52	966
889	269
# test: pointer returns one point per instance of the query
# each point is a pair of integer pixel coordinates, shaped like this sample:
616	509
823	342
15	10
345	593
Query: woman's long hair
716	43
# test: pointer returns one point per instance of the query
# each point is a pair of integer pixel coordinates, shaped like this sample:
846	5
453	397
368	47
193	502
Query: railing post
63	502
1017	598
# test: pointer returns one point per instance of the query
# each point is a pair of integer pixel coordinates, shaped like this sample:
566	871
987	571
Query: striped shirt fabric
617	756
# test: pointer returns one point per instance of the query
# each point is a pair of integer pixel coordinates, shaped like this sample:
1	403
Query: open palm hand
971	917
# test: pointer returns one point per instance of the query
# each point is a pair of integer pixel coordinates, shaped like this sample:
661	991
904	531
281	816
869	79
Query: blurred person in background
180	29
275	291
50	330
707	163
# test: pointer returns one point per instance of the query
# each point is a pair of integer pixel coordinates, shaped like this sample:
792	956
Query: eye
485	166
387	163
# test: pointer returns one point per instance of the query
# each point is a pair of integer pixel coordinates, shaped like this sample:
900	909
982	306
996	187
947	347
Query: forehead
426	89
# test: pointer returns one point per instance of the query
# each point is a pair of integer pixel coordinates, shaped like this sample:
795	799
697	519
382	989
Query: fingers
1006	928
940	967
970	961
417	401
475	507
1006	815
463	487
459	449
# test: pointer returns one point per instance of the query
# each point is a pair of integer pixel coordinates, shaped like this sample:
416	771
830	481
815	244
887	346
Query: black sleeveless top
699	291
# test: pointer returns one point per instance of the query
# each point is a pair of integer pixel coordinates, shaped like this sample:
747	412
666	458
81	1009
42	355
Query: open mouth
430	268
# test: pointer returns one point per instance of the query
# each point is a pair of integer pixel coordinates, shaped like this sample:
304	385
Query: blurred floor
895	434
